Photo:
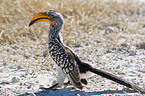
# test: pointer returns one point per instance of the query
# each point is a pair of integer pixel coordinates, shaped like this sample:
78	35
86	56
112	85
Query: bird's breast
59	55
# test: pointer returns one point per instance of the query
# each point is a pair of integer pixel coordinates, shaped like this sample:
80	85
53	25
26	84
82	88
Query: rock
109	29
141	45
15	80
45	53
132	53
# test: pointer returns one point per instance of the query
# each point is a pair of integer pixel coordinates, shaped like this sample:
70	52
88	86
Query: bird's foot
50	88
67	83
54	87
47	89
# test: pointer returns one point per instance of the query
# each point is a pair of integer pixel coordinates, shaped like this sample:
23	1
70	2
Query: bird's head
55	18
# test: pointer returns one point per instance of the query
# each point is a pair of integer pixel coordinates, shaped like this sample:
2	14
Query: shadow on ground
70	92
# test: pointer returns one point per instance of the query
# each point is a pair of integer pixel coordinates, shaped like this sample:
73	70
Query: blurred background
81	18
99	31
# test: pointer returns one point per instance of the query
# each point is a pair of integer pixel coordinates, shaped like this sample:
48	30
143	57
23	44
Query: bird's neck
54	33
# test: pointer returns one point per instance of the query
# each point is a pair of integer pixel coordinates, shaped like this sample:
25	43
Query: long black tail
114	78
84	67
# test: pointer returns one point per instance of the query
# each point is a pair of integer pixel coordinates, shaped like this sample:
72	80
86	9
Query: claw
48	89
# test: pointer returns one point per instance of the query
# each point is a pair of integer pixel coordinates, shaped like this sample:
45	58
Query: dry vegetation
81	18
88	31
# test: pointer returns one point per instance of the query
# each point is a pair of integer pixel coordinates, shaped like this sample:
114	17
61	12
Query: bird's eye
52	16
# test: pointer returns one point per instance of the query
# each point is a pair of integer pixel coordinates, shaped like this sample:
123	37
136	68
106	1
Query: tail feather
116	79
84	67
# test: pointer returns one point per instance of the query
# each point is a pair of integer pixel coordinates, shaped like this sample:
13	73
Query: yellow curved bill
39	17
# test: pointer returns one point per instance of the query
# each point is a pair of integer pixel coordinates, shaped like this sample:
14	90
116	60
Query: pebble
109	29
15	80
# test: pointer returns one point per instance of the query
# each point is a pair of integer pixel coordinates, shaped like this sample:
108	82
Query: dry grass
83	19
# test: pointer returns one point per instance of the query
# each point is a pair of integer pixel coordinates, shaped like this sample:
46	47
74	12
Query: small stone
15	47
45	53
4	63
108	51
124	45
26	56
19	67
29	86
15	80
132	53
118	67
109	29
141	45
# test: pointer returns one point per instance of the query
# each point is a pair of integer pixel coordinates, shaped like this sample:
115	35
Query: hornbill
69	64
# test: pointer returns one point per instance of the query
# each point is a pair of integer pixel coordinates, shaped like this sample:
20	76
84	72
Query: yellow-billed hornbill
69	64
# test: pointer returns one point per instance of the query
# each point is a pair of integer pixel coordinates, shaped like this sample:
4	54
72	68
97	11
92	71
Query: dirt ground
109	35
